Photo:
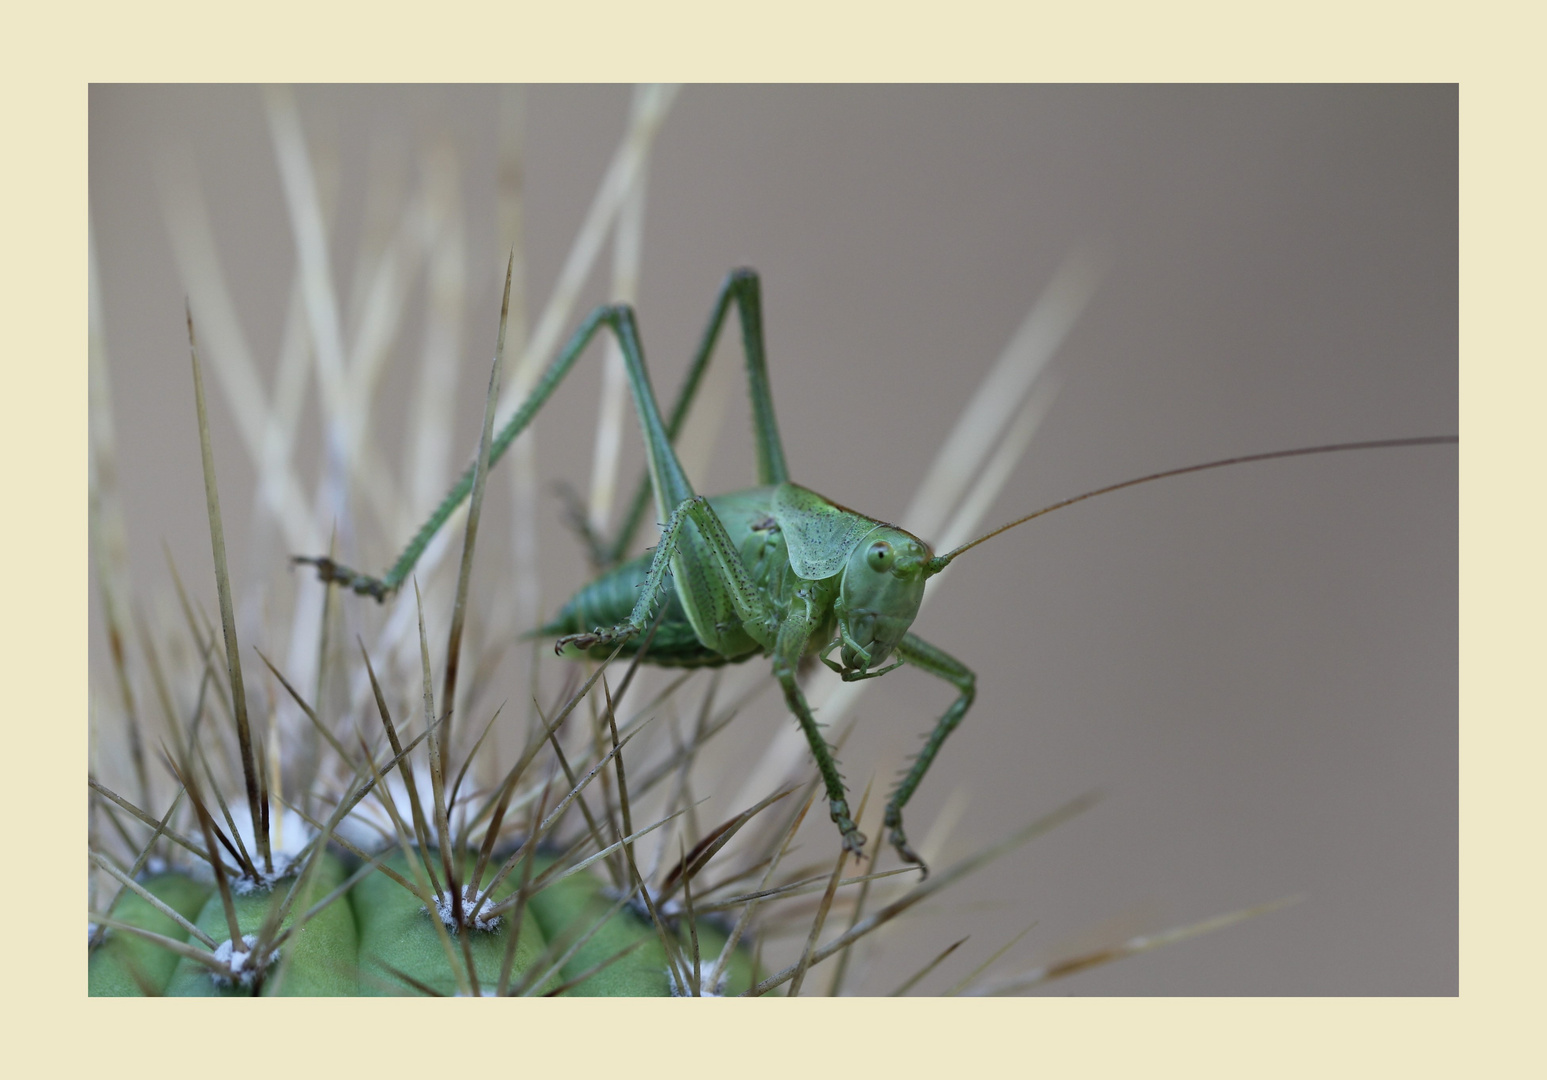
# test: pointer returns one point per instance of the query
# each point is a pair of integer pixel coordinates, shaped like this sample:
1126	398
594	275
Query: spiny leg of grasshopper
741	286
790	646
785	635
921	654
744	288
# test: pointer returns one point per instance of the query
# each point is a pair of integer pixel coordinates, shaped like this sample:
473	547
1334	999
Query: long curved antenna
940	562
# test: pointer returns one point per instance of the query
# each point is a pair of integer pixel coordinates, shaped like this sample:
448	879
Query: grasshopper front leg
791	645
921	654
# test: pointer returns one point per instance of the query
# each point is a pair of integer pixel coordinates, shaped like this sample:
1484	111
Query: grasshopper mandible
776	570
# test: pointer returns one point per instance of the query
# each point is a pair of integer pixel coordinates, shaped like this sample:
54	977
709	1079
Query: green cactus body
380	941
397	935
319	960
127	965
569	908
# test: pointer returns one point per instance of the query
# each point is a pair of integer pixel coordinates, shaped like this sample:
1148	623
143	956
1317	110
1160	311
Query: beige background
1258	668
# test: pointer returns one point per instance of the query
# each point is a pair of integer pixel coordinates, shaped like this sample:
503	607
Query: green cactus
127	965
378	939
368	914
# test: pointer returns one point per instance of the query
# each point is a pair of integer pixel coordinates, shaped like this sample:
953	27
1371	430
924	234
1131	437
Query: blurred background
1255	667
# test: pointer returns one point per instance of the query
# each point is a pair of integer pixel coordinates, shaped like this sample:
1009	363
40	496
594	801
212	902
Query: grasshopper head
880	593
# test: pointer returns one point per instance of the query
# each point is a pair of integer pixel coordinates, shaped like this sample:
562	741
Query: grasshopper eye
879	556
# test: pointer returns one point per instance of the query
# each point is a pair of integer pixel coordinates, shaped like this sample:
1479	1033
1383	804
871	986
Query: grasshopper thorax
879	594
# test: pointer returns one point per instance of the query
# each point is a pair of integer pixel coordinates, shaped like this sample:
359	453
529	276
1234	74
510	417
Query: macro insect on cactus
352	888
441	914
189	759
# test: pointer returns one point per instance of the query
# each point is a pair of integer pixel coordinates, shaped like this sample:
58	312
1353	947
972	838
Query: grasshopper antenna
940	562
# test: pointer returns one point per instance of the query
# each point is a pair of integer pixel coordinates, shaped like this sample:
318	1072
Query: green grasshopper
776	570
